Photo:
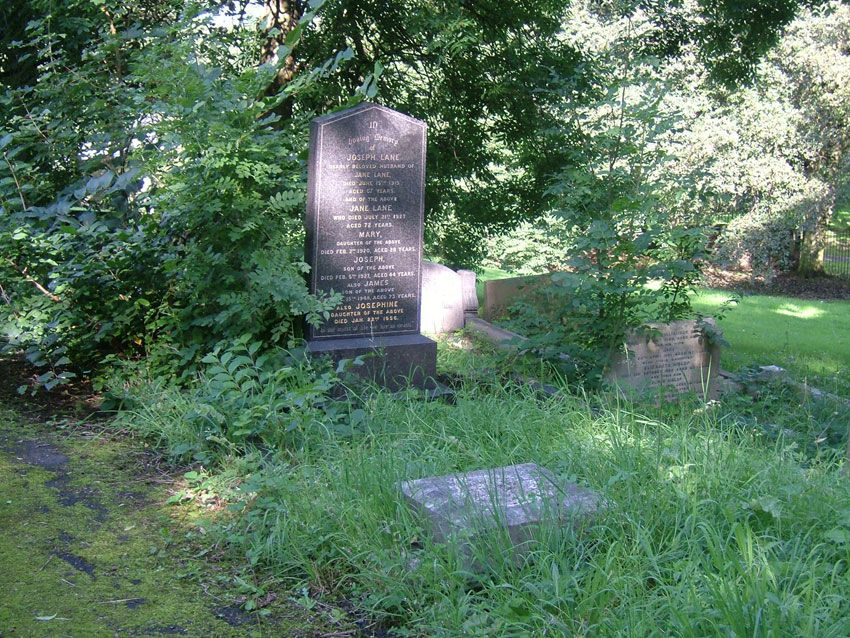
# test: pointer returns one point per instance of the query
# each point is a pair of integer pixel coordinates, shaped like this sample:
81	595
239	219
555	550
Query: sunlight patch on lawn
799	312
709	298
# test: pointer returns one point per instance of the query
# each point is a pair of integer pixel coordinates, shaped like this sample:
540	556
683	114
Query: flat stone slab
517	499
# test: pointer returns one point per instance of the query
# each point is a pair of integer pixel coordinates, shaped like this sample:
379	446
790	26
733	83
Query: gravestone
499	294
365	205
469	293
673	358
442	299
514	500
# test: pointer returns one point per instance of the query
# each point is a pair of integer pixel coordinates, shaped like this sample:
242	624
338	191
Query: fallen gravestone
515	500
672	358
365	203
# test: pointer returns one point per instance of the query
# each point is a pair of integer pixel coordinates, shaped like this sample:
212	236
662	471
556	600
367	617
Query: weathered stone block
469	292
394	362
442	299
499	294
515	500
673	358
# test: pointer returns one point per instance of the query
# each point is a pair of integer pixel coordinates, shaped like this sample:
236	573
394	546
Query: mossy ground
89	547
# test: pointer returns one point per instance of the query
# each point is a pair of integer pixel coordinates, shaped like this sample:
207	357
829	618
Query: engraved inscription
679	358
366	196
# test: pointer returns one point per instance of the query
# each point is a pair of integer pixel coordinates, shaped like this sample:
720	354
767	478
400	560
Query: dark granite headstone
365	204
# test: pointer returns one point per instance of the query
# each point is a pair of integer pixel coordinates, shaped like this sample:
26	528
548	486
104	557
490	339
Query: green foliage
769	156
151	207
763	158
815	426
244	397
532	248
706	513
618	214
472	72
152	179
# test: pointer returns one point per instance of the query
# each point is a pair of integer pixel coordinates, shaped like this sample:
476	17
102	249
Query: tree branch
41	289
17	183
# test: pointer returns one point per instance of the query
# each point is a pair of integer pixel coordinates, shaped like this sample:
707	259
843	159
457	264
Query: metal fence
836	252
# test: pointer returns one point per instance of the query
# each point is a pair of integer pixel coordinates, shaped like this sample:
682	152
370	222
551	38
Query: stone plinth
394	362
516	500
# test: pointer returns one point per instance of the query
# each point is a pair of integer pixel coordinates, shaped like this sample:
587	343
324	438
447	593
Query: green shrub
152	206
245	397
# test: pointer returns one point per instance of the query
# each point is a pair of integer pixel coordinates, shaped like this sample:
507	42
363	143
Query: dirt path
90	547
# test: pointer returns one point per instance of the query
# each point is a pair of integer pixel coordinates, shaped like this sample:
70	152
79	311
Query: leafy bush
245	397
625	257
152	205
768	156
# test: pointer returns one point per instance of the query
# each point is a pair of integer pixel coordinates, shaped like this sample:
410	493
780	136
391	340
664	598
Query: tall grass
711	529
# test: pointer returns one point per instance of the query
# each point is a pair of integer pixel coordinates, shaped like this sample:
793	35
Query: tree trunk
282	17
809	253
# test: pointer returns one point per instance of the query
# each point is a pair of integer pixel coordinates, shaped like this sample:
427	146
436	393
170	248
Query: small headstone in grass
513	501
672	358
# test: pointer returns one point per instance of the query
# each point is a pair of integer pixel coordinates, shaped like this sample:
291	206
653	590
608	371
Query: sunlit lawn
810	338
841	218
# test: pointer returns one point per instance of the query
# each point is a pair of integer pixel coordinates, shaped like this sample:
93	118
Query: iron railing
836	252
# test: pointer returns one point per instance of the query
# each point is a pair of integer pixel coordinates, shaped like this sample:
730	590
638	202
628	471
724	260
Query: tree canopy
153	174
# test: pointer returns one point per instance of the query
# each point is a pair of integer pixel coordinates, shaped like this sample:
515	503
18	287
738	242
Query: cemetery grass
716	525
810	338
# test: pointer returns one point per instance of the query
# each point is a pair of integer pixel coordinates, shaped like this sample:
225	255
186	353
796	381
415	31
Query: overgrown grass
713	528
810	338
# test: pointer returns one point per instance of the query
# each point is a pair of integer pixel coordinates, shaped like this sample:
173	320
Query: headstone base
396	362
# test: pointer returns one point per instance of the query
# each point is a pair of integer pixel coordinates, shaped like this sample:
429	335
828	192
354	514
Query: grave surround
365	206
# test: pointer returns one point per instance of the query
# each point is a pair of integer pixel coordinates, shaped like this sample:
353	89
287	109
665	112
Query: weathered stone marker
365	205
679	358
500	294
516	499
442	299
470	296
